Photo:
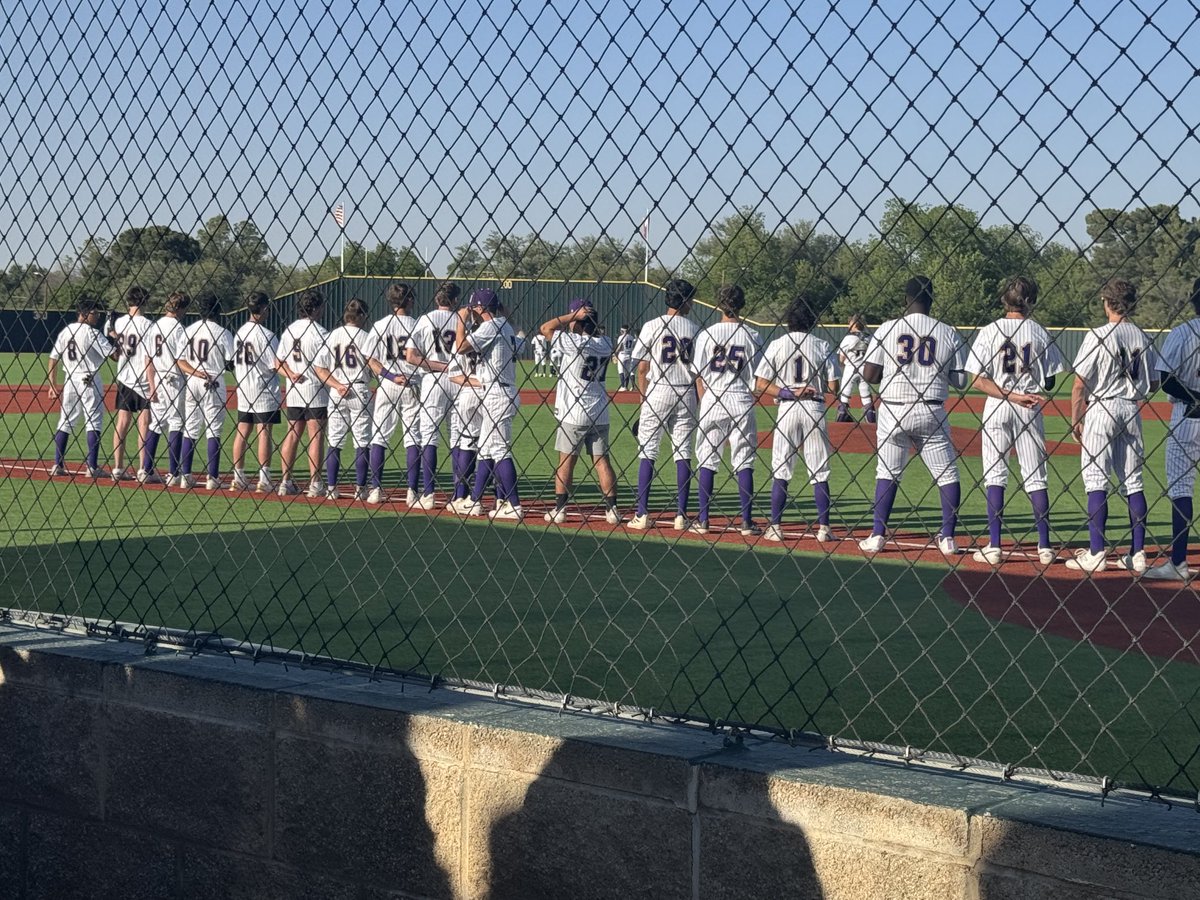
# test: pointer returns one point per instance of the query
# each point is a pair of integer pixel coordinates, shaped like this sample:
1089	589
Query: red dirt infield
1110	609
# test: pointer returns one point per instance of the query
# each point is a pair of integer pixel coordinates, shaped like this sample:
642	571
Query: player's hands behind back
1029	401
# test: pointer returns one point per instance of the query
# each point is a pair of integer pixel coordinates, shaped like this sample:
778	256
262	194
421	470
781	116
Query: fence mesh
534	156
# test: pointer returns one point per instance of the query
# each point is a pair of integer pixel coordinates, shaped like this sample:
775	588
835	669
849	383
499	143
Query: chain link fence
479	177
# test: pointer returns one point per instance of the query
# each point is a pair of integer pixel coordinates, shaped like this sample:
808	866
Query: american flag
339	215
646	228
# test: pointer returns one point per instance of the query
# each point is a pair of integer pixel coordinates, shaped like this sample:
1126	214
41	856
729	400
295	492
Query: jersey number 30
923	351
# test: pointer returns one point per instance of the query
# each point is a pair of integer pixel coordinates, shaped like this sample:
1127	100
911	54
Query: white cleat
375	497
773	533
873	544
465	506
95	472
265	485
57	471
640	523
556	516
360	492
749	529
507	510
993	556
150	477
947	545
681	523
410	498
212	484
120	475
1168	571
1047	556
427	502
1086	561
1133	562
288	488
187	481
698	527
824	535
611	516
316	489
331	493
239	481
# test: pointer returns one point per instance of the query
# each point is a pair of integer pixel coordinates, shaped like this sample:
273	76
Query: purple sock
1040	501
214	457
951	495
376	455
823	501
482	476
506	478
429	464
150	451
467	458
412	459
995	509
683	481
186	455
174	451
1137	518
745	480
885	496
333	462
779	495
645	479
360	466
707	478
456	469
1181	523
1097	519
93	451
60	447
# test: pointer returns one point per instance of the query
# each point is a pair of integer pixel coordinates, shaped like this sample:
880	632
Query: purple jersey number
923	351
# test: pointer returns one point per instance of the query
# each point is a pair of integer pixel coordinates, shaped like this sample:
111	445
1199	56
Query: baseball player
667	383
207	353
395	402
496	343
1180	375
258	396
1013	359
128	334
541	355
555	361
468	402
83	350
163	345
726	356
343	366
626	341
307	398
581	406
796	369
914	360
851	352
431	349
1116	369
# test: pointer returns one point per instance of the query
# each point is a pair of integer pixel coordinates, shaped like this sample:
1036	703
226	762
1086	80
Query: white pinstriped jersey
298	348
798	360
917	353
1181	354
83	350
1117	361
496	343
207	347
668	343
392	336
1017	354
854	347
162	346
345	355
580	397
131	343
725	358
254	350
624	345
434	334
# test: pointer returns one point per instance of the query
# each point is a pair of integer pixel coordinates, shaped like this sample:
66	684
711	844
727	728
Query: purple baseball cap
485	298
580	303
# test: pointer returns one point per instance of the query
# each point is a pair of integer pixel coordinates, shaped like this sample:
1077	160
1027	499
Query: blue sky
439	122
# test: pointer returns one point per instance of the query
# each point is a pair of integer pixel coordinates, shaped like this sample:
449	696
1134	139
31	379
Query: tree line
1153	246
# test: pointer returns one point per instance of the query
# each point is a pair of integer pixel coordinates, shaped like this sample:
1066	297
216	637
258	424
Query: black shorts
307	413
262	418
129	400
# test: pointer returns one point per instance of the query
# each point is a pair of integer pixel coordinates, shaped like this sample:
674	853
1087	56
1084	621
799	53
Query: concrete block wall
126	775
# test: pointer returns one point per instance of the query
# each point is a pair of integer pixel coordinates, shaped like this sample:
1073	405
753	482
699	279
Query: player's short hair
1196	296
680	292
257	303
919	289
400	295
446	294
859	321
731	299
137	296
87	304
1120	295
355	313
208	305
801	314
177	302
1020	294
624	326
310	303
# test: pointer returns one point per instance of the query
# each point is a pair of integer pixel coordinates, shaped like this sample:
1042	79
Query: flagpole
646	239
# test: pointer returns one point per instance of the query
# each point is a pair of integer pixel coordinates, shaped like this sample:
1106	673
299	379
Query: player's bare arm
643	377
151	381
461	343
52	377
415	357
325	376
547	329
1079	403
384	374
188	369
987	386
289	373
